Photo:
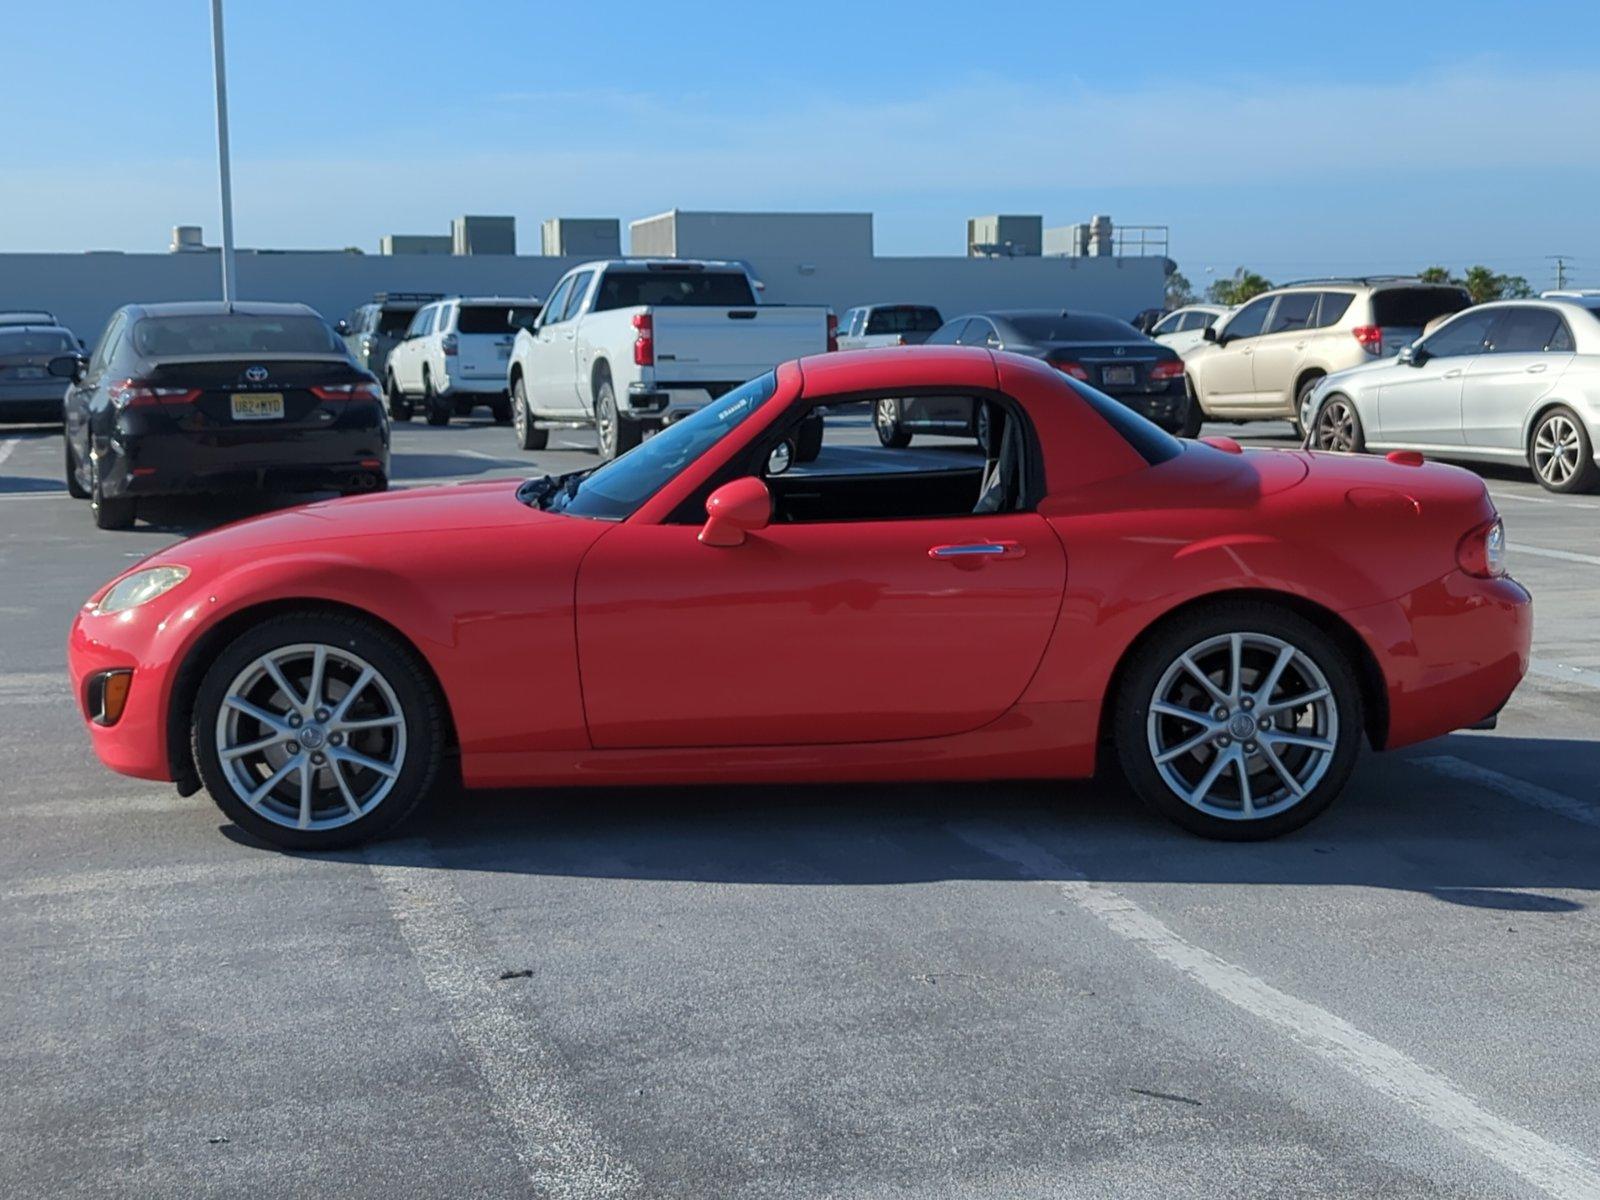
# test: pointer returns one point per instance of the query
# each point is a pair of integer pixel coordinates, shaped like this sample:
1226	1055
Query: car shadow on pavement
1400	825
407	467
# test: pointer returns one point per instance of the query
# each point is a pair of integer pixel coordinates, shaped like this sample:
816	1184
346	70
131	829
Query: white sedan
1516	381
1183	329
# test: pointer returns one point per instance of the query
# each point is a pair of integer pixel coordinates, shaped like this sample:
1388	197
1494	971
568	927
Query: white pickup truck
627	345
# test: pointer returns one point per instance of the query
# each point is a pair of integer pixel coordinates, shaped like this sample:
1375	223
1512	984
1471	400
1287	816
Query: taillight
136	393
1076	370
1370	337
1482	551
449	343
644	340
1165	371
346	391
833	333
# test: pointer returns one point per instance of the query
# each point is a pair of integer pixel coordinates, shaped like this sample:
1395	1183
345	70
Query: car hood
385	518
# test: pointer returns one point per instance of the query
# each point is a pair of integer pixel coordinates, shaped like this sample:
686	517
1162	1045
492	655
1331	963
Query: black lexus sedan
1105	353
206	397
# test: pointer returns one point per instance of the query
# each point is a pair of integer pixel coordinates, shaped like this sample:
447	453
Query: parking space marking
126	879
562	1155
1564	555
1517	496
1512	788
1559	1171
80	808
1546	669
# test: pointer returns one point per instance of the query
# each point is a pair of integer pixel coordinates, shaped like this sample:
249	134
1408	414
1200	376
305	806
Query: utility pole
219	72
1561	269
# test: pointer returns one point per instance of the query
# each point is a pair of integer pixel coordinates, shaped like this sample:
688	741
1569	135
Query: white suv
453	357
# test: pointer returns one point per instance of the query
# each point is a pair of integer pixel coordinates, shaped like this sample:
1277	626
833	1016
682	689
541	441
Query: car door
78	405
550	355
1227	374
405	360
1420	403
575	396
1281	347
1526	351
825	631
433	356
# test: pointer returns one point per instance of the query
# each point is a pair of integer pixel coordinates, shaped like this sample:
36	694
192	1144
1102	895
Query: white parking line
1546	669
1512	788
128	879
1518	497
562	1155
1559	1171
7	446
1592	560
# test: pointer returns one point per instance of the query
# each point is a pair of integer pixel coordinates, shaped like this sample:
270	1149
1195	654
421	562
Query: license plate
257	406
1118	376
31	372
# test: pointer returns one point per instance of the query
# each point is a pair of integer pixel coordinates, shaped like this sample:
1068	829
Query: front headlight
140	588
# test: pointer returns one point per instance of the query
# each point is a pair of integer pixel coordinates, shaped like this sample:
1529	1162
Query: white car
627	345
871	325
1517	381
453	357
1183	329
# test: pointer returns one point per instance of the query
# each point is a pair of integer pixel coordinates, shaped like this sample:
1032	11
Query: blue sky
1363	137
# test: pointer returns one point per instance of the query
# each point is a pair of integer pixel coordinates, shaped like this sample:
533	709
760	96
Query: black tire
615	433
397	664
1193	414
1338	426
399	406
500	410
886	423
1152	666
1300	399
74	489
1560	453
529	435
110	512
436	410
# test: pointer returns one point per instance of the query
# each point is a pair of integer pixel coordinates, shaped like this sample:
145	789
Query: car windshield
490	318
36	341
904	319
616	490
235	333
1088	327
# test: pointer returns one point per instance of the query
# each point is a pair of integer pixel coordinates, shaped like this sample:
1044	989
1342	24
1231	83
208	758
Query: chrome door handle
1451	374
1299	345
960	550
1534	368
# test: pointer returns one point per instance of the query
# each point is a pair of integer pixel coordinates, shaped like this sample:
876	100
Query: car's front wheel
110	512
1560	453
886	421
436	411
399	406
314	731
1193	414
1338	426
1302	406
1238	721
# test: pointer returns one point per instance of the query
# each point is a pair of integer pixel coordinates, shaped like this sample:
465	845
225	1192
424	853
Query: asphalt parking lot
1003	990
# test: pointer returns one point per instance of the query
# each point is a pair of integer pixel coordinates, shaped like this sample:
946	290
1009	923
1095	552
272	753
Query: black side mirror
1414	355
341	327
67	366
1210	334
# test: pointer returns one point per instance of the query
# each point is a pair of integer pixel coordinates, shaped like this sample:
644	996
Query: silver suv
1263	361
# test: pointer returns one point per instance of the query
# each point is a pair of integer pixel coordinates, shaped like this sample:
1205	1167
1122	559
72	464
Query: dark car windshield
617	489
1414	307
492	318
628	289
36	341
1074	327
392	322
234	333
904	318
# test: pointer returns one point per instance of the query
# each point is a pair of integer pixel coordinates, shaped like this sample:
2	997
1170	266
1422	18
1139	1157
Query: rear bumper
1166	407
456	386
34	400
160	463
1451	653
668	402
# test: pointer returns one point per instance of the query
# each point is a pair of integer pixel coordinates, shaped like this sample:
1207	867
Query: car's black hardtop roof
216	308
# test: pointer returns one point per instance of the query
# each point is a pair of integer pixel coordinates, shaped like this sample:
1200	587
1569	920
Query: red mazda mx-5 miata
727	603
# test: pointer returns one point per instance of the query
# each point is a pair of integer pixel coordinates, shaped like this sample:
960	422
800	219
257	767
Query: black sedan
203	397
1105	353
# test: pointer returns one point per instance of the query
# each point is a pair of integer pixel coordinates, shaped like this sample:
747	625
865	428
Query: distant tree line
1481	284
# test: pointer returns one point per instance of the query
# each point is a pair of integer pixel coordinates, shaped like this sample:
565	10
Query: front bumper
129	641
1451	653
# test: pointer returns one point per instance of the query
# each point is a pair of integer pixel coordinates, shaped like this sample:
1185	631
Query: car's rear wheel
1338	426
315	731
886	421
74	489
529	435
110	512
399	406
436	410
1193	414
1238	721
1560	453
616	433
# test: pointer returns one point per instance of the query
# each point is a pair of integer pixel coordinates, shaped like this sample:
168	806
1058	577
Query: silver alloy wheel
1242	726
1557	450
888	414
310	736
605	427
519	412
1336	426
981	423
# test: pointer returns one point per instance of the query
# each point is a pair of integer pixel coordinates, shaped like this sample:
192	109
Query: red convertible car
1227	625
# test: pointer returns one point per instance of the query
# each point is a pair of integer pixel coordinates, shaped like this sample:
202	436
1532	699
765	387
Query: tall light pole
219	70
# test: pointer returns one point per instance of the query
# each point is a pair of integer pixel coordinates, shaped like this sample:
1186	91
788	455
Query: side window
1333	307
557	302
977	333
949	475
445	319
1464	335
422	322
580	286
948	333
1250	319
1523	331
1293	313
1171	323
1562	343
858	321
106	344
